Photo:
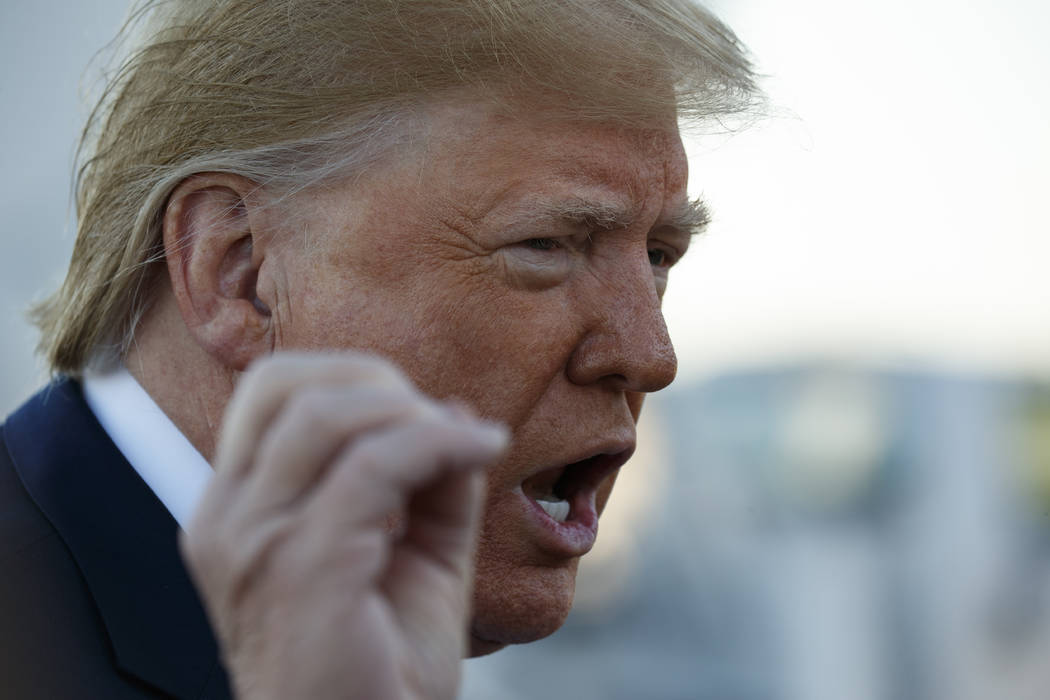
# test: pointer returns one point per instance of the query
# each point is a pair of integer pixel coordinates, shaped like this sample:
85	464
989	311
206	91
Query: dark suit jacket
94	599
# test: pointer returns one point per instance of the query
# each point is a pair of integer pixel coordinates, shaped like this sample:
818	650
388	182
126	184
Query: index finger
265	388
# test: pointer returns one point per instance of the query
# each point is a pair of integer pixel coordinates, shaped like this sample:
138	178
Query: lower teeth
558	510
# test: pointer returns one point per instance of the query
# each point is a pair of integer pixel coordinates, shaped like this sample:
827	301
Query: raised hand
333	549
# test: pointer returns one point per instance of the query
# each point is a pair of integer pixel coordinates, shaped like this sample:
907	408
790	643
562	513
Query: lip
576	536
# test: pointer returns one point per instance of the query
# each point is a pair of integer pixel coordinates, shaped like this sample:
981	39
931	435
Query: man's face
518	265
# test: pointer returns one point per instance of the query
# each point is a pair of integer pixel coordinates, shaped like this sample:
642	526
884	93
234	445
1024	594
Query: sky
890	210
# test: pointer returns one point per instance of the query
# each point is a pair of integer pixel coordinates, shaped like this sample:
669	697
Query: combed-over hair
290	93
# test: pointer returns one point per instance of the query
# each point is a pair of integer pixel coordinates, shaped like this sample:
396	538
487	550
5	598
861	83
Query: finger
441	518
382	471
313	426
430	575
266	386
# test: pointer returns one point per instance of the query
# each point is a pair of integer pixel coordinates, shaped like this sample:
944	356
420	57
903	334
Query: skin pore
514	264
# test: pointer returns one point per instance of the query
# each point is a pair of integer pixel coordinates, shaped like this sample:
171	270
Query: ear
214	244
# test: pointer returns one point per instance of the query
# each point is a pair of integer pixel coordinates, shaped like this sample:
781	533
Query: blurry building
815	533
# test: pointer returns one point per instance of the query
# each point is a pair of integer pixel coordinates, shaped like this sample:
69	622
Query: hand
311	590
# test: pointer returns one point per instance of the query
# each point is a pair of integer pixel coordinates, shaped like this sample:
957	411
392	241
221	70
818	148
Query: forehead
488	157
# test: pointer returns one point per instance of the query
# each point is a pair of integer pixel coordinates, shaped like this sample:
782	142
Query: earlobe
214	244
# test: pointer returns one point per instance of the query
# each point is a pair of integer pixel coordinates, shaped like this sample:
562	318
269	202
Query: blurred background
846	494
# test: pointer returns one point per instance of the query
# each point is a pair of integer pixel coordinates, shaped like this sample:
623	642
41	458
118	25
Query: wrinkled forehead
539	150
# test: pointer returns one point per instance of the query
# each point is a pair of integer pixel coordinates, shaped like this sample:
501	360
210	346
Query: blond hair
289	93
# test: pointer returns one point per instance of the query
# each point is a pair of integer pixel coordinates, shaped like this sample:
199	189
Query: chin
519	605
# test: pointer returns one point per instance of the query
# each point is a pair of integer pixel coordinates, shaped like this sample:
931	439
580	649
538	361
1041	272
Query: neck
190	386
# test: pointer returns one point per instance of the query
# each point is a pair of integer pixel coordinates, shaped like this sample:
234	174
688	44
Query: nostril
626	347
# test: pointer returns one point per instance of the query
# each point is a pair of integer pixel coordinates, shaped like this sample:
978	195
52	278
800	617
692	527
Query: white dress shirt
172	467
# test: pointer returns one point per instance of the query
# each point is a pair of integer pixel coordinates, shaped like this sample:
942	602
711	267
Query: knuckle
310	406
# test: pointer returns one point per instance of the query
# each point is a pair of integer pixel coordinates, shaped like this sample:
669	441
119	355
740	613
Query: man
448	226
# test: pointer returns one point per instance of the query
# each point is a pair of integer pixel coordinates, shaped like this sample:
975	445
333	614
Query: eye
541	244
538	263
660	258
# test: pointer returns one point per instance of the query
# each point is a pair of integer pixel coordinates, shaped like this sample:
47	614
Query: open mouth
565	492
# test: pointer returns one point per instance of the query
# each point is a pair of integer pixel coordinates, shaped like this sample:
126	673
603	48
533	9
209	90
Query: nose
627	346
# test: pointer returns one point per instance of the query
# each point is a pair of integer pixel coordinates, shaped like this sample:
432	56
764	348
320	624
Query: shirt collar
169	464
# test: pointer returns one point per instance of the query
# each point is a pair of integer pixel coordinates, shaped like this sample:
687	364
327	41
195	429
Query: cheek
338	317
493	351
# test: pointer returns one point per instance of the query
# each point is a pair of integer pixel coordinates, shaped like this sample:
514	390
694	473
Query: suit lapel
122	538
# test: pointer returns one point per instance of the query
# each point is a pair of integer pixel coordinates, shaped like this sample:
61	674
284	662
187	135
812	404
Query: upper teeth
558	510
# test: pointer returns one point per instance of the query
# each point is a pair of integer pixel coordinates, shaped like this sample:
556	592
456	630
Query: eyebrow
691	217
